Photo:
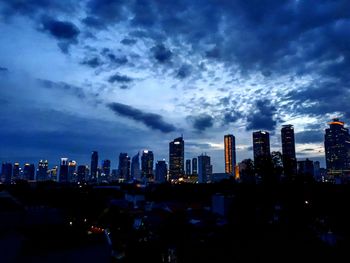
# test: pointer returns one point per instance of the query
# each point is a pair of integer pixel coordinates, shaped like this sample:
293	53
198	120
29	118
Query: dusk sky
121	76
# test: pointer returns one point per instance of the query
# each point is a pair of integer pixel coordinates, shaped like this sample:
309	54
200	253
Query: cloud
309	136
151	120
62	30
261	116
3	69
184	71
201	122
128	41
161	53
93	22
92	62
119	78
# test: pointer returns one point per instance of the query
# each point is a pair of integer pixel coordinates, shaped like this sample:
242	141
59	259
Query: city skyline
95	75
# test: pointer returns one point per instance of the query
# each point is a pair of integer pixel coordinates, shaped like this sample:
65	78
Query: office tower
114	174
188	167
230	154
317	173
337	148
124	167
42	170
63	173
6	172
205	169
82	173
135	167
305	170
53	173
16	171
176	158
147	165
262	156
288	151
28	171
161	171
106	168
72	171
94	164
194	166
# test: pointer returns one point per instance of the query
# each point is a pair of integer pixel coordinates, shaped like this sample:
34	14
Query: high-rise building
188	167
194	166
147	165
16	171
124	167
230	154
135	167
94	165
53	173
82	173
106	168
41	174
161	171
337	148
176	158
288	151
317	173
6	171
205	169
28	171
72	171
63	173
306	169
262	155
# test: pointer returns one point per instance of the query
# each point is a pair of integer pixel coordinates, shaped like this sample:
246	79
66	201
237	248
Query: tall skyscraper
82	173
106	168
176	158
124	166
63	173
205	169
42	172
262	155
288	151
147	165
6	171
188	167
230	154
94	164
72	171
16	171
337	148
161	171
28	171
194	166
135	167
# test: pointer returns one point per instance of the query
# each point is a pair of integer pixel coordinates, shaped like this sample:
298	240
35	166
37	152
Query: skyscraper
337	148
106	168
94	164
161	171
82	173
262	155
194	166
72	167
28	171
6	171
124	166
63	173
147	165
230	154
42	171
176	158
288	151
188	167
205	169
16	171
135	167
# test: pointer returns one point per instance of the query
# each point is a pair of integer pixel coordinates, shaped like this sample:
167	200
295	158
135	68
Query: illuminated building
337	148
230	154
205	169
106	168
28	171
262	155
194	166
147	165
42	170
82	173
72	169
53	173
176	158
288	151
135	167
6	171
161	171
188	167
63	173
124	167
94	164
16	171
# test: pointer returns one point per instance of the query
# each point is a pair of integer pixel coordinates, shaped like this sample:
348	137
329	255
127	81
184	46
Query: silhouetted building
135	167
246	171
288	151
147	165
82	173
176	158
124	166
63	175
161	171
106	168
16	171
230	154
188	167
94	165
28	171
194	166
42	172
205	169
306	170
72	171
6	171
317	173
337	148
262	155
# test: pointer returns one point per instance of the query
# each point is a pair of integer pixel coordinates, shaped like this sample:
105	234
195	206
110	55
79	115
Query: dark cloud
184	71
262	116
119	78
161	53
92	62
93	22
107	11
62	30
151	120
309	136
231	116
76	91
128	41
3	69
202	122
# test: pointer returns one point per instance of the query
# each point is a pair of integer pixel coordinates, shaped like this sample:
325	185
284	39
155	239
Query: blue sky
121	76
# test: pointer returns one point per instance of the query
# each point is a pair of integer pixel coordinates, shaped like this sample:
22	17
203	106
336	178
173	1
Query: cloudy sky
120	76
